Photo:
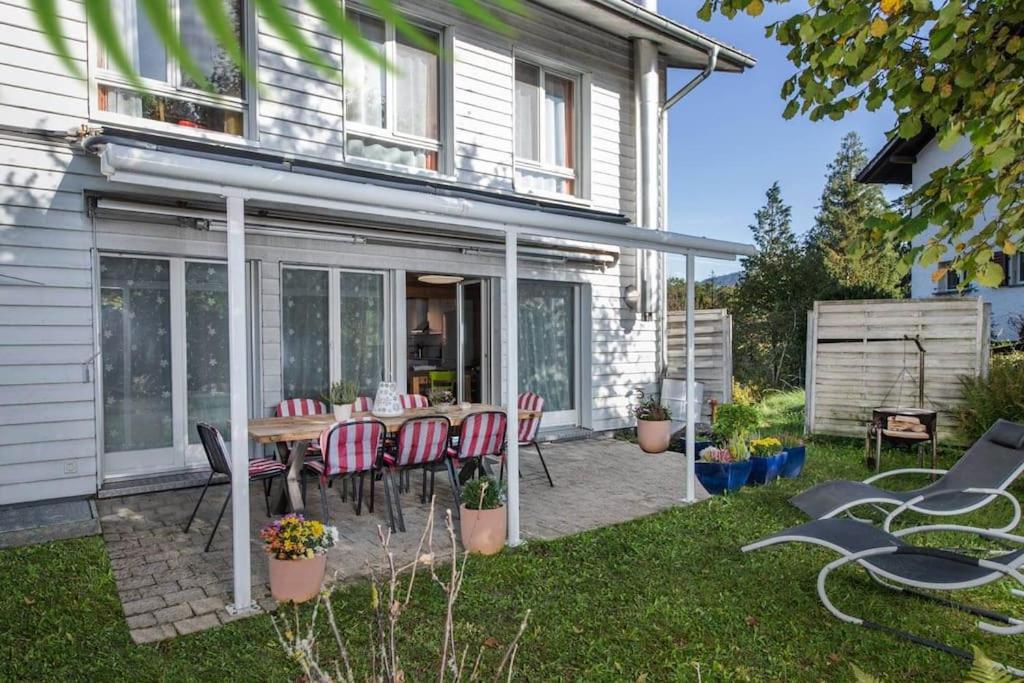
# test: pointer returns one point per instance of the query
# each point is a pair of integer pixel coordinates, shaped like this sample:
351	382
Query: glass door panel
547	348
362	330
206	352
305	333
138	431
473	342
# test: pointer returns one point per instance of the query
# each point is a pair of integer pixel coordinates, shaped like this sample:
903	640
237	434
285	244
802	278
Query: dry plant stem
338	640
510	653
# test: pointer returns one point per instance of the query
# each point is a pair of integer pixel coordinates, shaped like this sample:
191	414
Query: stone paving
168	586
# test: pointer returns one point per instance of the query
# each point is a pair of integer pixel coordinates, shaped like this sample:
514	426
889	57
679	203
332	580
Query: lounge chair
980	476
902	567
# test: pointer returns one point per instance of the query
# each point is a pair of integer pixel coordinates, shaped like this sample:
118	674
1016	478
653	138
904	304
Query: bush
745	394
735	421
986	399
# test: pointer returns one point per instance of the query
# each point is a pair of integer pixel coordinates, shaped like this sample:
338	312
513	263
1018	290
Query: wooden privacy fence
713	362
858	359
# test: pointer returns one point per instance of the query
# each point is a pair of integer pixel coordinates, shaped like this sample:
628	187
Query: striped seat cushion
350	447
482	434
301	406
528	427
315	466
263	466
421	441
410	401
362	404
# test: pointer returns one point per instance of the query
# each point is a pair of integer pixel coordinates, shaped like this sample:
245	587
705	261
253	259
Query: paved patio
169	586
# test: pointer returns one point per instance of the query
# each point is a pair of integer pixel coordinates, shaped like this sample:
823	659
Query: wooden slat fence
713	342
857	360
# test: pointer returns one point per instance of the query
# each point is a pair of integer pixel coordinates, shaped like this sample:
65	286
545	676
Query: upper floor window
172	96
1014	266
949	281
545	130
393	117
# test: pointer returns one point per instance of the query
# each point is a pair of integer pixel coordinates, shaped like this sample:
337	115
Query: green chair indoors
442	380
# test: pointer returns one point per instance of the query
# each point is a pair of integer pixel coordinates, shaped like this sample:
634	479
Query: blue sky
728	141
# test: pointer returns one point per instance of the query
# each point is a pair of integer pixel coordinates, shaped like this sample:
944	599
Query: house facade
113	288
911	162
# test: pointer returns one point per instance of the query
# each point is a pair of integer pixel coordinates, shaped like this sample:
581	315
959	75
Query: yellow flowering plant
293	537
766	447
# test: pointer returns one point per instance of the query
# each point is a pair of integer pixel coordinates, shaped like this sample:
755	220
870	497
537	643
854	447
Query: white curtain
416	89
364	79
527	107
305	341
361	337
547	342
557	115
206	346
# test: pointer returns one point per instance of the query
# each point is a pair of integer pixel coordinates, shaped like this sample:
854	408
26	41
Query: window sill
397	169
555	197
171	131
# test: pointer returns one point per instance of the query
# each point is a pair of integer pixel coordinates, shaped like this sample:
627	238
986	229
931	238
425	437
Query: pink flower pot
483	531
297	580
654	436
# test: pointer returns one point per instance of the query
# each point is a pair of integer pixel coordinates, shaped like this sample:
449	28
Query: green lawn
649	600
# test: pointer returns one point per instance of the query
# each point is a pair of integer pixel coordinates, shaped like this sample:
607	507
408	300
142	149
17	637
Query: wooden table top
309	427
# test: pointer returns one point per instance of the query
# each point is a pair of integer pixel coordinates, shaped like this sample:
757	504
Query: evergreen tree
846	273
770	300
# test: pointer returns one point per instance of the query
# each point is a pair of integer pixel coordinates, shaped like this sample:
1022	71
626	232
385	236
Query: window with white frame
393	117
1014	271
172	96
546	112
949	281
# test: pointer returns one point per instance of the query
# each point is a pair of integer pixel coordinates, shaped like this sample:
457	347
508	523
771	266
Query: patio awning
239	183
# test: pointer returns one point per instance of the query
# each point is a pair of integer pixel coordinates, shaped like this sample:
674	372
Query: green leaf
160	17
46	16
281	23
928	84
387	11
219	24
101	19
807	32
910	126
346	29
704	13
990	275
1000	158
932	253
791	109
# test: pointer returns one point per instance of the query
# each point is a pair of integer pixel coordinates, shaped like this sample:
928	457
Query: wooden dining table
292	436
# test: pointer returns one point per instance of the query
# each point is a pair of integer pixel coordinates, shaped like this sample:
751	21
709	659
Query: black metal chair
260	469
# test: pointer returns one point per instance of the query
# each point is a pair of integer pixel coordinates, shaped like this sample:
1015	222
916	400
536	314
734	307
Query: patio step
166	482
565	434
51	520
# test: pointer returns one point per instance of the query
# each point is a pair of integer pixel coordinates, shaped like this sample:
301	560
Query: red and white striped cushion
362	404
351	446
300	406
260	466
410	401
528	427
317	466
421	441
482	434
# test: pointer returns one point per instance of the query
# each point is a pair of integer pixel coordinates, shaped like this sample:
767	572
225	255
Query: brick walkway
169	586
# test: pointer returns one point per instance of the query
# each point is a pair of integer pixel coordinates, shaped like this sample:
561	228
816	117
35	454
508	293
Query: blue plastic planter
766	469
794	465
720	477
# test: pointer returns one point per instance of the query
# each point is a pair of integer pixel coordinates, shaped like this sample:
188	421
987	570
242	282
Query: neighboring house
113	294
911	162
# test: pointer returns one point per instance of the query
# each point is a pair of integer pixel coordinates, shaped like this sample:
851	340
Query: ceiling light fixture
440	279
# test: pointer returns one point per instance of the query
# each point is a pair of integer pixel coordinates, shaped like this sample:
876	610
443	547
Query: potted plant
441	398
767	459
796	456
735	421
482	515
722	470
341	396
653	423
298	556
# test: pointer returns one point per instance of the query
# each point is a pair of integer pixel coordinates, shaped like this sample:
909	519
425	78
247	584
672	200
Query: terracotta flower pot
297	580
654	435
483	531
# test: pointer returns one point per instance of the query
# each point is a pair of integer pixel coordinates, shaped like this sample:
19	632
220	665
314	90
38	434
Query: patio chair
422	443
411	401
482	434
301	406
362	404
899	566
260	469
528	429
442	380
981	475
351	449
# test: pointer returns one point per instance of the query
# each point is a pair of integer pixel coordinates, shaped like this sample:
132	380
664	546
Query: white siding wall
1006	301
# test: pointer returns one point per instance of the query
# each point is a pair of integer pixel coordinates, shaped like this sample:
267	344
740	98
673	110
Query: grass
654	600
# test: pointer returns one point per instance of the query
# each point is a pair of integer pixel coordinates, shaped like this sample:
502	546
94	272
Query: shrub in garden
998	395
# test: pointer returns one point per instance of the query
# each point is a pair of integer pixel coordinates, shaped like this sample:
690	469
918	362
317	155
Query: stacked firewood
905	423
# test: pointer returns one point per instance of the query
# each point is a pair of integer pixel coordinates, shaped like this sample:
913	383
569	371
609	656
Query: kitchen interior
432	342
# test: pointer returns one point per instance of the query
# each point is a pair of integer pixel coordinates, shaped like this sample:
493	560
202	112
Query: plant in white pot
298	556
482	516
341	396
653	423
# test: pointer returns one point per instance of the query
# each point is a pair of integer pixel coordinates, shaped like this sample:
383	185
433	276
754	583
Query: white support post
691	409
239	407
512	382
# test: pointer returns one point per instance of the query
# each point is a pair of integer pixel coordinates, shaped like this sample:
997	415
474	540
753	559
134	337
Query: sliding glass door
548	348
334	327
473	351
164	353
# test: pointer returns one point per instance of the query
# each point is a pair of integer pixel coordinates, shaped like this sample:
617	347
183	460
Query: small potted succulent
341	396
298	556
796	456
653	423
441	398
482	516
723	470
767	459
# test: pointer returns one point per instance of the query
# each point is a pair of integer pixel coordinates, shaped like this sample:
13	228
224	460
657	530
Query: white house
911	162
373	215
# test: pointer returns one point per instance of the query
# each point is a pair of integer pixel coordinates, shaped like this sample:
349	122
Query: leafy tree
706	294
846	206
770	301
956	66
